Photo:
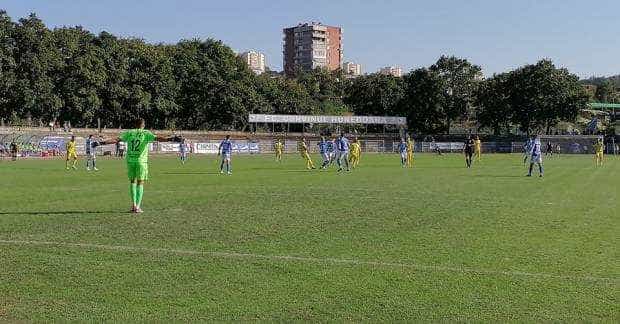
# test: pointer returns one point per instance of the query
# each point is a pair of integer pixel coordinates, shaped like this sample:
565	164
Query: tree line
70	74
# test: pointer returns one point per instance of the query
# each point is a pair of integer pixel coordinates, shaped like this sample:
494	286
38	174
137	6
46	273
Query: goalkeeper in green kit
138	140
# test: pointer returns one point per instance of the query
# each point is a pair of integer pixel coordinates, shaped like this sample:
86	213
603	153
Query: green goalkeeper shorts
137	171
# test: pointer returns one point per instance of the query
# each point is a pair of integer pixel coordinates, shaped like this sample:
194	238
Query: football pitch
277	242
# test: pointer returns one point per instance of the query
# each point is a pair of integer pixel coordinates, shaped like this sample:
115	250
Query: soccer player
598	152
549	149
468	150
14	151
356	152
410	145
183	151
527	149
279	148
478	148
536	157
435	147
71	154
303	150
225	150
91	156
324	150
333	151
138	140
402	149
342	146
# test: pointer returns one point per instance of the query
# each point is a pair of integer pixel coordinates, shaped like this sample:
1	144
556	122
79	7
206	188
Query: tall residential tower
255	61
312	45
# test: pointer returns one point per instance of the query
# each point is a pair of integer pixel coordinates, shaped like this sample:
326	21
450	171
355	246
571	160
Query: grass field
276	242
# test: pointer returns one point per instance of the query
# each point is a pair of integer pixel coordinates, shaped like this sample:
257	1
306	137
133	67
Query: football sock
132	192
139	193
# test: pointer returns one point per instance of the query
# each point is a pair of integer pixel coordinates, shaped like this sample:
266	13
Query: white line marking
239	255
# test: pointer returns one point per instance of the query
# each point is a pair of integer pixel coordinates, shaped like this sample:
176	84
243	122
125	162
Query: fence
52	145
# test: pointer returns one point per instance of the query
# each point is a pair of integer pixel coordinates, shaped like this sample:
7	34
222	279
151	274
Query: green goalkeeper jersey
137	144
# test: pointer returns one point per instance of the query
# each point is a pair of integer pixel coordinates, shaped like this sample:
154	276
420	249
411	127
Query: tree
375	94
459	80
285	96
424	101
542	95
114	93
81	77
606	91
323	85
493	109
7	64
38	63
216	89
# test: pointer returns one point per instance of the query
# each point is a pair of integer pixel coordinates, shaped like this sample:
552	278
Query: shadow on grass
191	173
492	176
66	212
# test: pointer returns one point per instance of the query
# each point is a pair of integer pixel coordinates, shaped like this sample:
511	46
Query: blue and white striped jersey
226	147
402	147
343	144
536	148
91	144
323	147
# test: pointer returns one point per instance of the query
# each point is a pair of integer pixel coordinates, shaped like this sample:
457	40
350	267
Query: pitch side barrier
37	145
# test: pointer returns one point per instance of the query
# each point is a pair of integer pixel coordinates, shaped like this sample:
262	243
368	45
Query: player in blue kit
402	150
331	148
342	146
324	150
225	150
183	151
536	157
91	150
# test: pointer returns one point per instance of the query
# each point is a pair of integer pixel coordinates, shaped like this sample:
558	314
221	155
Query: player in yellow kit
303	150
355	152
478	148
598	152
71	154
279	148
410	145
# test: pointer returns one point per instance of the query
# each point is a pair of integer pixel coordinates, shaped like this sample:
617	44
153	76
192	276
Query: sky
498	35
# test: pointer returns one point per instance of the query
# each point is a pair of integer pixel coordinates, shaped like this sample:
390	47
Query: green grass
437	241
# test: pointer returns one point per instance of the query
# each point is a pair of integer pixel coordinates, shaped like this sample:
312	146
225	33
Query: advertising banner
310	119
52	142
237	147
206	148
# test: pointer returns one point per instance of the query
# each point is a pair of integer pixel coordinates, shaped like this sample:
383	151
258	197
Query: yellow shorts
71	155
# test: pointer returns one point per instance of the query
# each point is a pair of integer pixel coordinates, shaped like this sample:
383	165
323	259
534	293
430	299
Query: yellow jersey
355	148
477	144
410	144
70	147
278	146
302	147
598	147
